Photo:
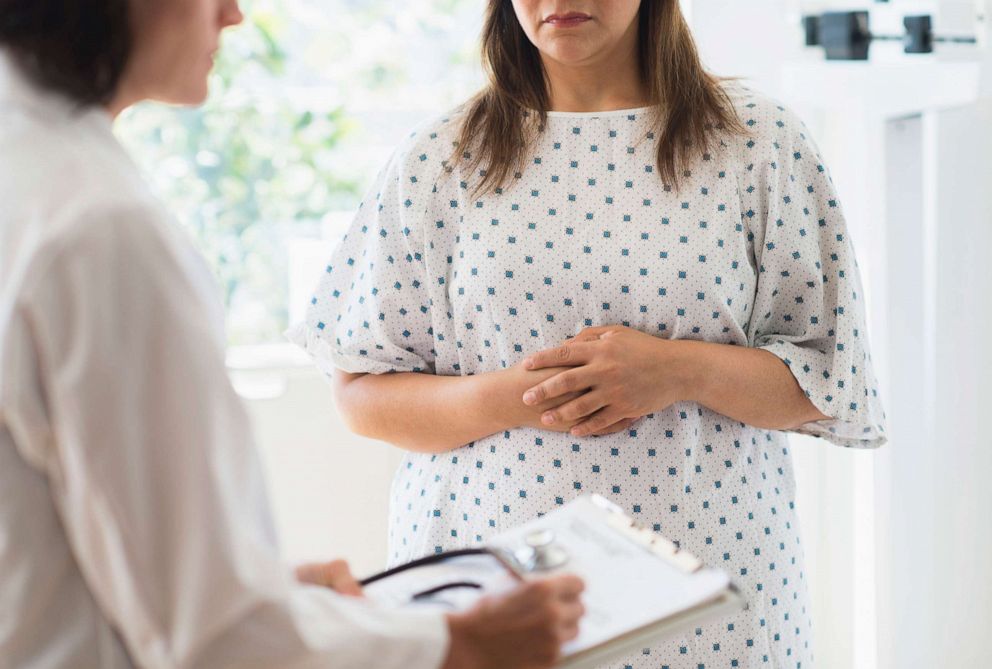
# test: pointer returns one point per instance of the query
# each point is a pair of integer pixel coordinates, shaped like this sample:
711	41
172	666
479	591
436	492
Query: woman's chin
570	53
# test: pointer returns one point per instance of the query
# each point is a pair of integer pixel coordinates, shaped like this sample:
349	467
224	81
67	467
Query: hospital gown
750	250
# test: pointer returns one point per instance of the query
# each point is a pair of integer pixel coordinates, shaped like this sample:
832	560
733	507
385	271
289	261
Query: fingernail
528	364
529	397
547	419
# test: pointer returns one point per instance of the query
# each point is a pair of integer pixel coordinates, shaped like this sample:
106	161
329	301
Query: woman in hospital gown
751	250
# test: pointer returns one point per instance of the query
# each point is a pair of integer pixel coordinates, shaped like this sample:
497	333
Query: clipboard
640	587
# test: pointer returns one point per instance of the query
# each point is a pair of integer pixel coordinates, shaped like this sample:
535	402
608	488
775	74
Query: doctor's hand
622	373
522	629
335	575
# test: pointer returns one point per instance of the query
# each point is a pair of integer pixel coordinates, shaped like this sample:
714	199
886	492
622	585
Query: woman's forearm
750	385
427	413
424	412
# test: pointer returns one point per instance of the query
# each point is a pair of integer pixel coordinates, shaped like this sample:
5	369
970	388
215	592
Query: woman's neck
608	83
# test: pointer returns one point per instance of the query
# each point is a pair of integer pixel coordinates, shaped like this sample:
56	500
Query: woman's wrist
496	398
692	369
499	398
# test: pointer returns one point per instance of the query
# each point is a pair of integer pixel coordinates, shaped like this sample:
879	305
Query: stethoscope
539	553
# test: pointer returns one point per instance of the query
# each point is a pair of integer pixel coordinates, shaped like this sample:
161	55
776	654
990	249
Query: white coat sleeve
156	476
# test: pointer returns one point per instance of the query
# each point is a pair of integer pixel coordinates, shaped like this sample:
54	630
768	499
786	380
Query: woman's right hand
523	629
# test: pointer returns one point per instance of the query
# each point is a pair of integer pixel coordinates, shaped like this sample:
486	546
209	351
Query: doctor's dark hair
496	130
76	47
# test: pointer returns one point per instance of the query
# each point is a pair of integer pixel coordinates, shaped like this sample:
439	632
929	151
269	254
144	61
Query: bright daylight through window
307	101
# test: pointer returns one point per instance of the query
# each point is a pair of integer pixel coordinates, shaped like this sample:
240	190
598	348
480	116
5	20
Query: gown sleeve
809	305
370	312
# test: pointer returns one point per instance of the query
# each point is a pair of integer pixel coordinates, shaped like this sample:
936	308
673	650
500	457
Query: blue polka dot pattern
752	250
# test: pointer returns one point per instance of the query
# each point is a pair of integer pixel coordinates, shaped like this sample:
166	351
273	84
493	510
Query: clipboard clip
647	538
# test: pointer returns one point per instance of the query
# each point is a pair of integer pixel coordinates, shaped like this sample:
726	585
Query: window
307	101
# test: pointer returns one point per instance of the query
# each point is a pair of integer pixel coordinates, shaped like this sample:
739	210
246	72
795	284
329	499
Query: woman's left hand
626	373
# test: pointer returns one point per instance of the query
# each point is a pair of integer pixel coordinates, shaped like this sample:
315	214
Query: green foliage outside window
267	158
245	172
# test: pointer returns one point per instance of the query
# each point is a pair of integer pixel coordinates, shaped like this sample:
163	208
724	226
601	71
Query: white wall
962	527
935	535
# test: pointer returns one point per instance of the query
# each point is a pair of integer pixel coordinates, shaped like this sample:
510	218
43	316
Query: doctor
134	529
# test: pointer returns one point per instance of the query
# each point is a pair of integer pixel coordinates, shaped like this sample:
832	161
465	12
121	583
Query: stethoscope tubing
434	559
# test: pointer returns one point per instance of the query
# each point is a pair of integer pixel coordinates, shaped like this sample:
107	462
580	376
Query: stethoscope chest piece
540	552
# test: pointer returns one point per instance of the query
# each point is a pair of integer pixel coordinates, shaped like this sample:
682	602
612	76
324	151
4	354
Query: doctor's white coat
134	528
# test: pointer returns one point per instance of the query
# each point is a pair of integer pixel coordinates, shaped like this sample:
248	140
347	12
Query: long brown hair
498	126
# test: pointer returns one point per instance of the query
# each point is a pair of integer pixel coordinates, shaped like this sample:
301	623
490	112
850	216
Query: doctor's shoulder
62	189
62	170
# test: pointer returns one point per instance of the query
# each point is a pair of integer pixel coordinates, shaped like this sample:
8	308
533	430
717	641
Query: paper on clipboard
622	565
639	587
